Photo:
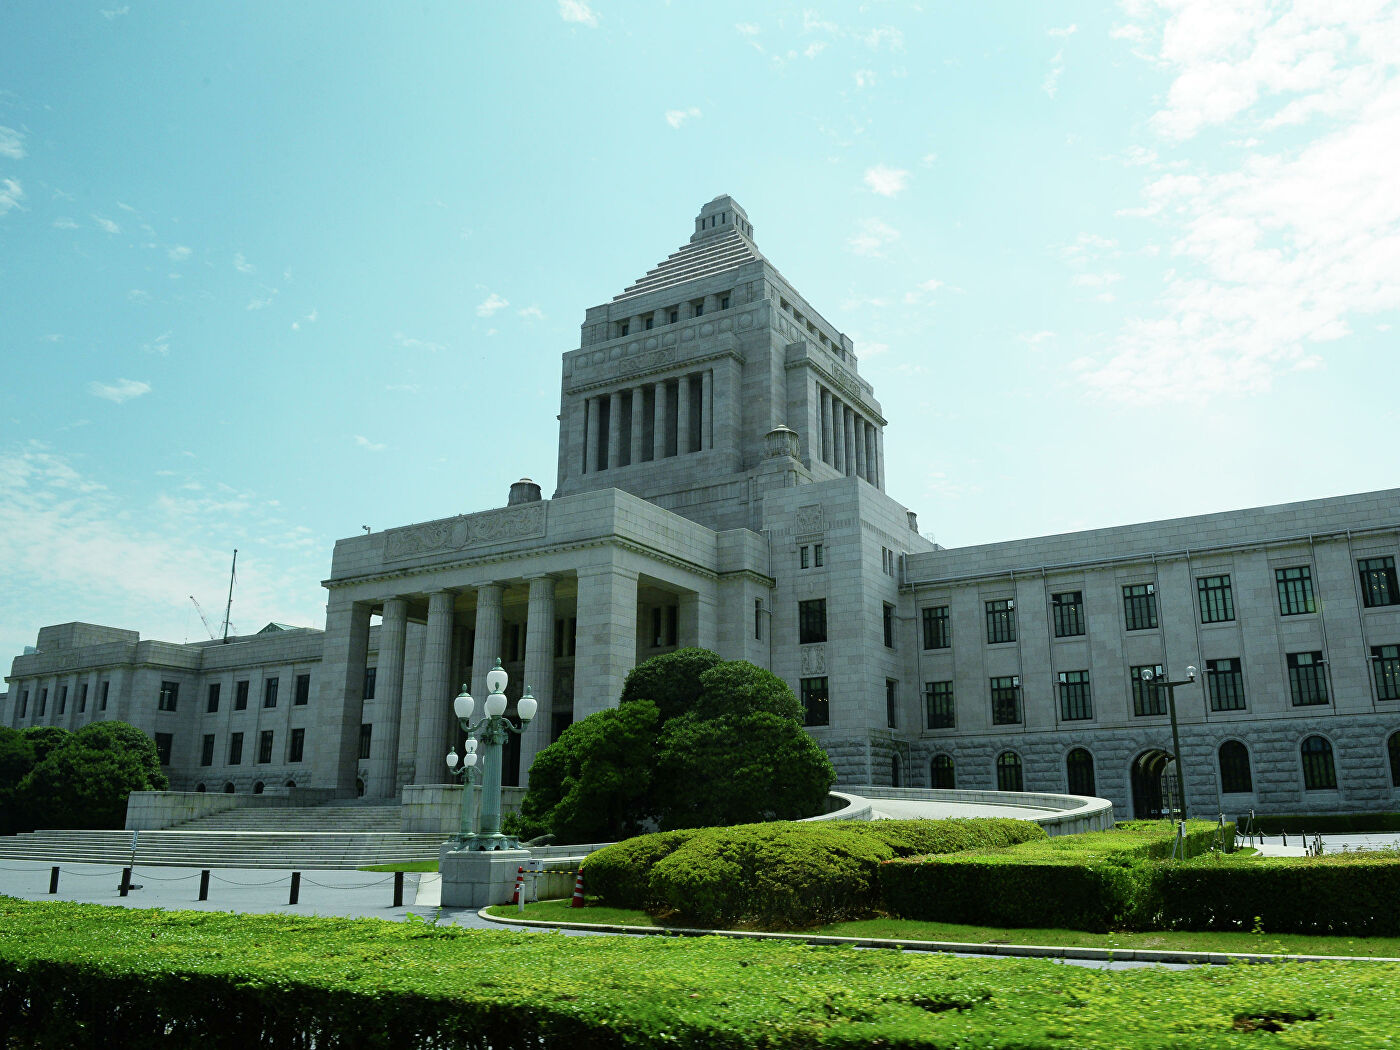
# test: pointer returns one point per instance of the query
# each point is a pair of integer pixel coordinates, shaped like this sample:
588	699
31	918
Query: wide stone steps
223	849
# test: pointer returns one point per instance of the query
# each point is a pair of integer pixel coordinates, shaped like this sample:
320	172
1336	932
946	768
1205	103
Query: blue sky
270	272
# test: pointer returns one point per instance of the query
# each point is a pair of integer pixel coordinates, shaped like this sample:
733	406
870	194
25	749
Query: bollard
398	889
296	887
204	885
126	882
53	879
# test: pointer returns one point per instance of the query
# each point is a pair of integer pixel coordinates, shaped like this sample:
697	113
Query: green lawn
406	865
908	930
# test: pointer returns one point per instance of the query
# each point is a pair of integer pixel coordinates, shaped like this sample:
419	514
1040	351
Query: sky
270	272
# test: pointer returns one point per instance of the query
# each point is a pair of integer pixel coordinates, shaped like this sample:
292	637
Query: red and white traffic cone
519	885
578	891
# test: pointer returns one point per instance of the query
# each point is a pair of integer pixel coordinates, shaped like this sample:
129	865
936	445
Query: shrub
82	779
671	681
621	873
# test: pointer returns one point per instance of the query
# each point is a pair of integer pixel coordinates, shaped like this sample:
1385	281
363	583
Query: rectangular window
1216	602
235	748
623	328
24	703
1307	679
758	619
1225	680
212	703
265	746
804	557
206	750
647	324
936	633
270	692
887	622
1067	610
82	697
366	737
938	705
891	703
1147	699
811	621
371	679
724	302
303	693
102	697
675	316
169	696
817	559
1139	606
1295	590
697	308
1001	621
164	742
1378	584
43	701
1006	701
240	695
1385	668
558	722
62	699
297	746
816	702
1075	702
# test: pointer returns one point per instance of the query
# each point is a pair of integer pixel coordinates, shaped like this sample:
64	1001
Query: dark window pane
1001	621
1139	606
938	704
942	774
1307	679
1234	768
1006	701
1079	772
1378	583
1074	696
1147	699
1225	681
1319	771
1009	772
935	623
1385	669
816	703
811	621
1295	590
1216	601
1067	610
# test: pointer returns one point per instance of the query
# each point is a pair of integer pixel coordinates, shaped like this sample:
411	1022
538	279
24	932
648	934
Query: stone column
862	459
828	449
683	416
848	422
388	685
339	700
539	669
486	649
838	433
707	409
697	621
658	416
638	410
591	437
872	456
880	458
435	701
607	637
614	430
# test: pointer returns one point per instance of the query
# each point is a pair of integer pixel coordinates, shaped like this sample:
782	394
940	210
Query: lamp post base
474	878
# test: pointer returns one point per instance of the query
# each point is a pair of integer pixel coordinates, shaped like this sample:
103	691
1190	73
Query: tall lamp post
492	732
466	768
1154	681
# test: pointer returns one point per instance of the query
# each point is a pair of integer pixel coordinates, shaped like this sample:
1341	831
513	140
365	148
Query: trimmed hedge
1345	893
778	875
1096	881
83	975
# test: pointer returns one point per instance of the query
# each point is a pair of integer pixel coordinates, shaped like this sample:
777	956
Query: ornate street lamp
492	733
1159	682
466	768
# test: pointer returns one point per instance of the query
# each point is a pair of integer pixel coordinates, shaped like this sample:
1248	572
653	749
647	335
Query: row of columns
849	441
656	318
672	409
25	696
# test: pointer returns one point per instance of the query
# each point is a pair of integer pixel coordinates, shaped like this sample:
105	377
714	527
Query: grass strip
1245	942
134	977
404	865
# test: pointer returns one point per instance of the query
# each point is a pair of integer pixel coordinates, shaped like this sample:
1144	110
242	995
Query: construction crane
210	630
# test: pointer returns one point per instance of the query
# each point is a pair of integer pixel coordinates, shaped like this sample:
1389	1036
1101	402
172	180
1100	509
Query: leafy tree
45	739
591	784
84	783
671	681
16	759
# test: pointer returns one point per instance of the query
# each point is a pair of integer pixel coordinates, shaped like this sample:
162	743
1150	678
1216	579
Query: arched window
1234	768
199	787
895	780
1079	771
290	784
1009	772
1319	771
258	788
1394	747
940	773
228	788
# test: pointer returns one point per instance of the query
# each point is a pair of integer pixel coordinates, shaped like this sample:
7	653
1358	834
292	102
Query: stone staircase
333	835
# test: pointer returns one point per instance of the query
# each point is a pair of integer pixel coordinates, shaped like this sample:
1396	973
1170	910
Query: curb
1023	951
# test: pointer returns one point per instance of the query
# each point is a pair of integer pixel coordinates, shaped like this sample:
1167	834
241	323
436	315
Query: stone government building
721	483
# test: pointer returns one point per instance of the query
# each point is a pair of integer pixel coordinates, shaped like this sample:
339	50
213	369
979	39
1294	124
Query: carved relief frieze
809	520
503	525
813	660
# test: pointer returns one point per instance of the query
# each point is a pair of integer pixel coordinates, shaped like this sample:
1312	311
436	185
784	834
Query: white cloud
872	237
116	12
677	117
814	49
748	29
242	265
178	253
1095	280
403	388
159	345
11	144
106	224
261	303
11	193
1062	31
363	442
63	224
417	344
864	77
868	350
886	181
883	36
1051	83
931	285
533	313
578	11
490	305
1038	340
120	391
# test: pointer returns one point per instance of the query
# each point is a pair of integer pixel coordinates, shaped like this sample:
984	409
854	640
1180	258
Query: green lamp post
492	731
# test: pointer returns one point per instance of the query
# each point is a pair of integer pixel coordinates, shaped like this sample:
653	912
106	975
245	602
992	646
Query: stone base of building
472	879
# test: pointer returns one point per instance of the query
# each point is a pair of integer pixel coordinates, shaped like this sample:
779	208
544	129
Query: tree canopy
694	741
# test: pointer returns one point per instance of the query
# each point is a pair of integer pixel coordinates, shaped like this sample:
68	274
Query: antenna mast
229	607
